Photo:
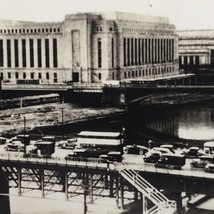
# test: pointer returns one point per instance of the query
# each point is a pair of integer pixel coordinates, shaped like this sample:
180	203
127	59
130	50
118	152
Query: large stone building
88	47
196	49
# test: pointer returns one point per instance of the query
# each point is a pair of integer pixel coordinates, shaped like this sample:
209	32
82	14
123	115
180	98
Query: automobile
16	146
135	149
209	167
171	161
3	140
113	156
68	144
176	145
202	161
77	155
162	150
192	152
168	146
152	157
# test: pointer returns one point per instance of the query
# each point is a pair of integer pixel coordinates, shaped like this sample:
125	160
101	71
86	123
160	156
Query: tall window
1	54
39	52
128	51
31	53
132	51
17	75
112	52
24	53
32	75
99	51
8	54
124	52
16	52
47	56
135	48
47	76
55	58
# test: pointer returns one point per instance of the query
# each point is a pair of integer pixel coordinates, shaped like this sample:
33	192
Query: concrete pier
4	197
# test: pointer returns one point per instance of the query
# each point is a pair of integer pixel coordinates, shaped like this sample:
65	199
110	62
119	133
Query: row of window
138	51
100	29
32	30
18	75
148	72
144	31
24	53
189	60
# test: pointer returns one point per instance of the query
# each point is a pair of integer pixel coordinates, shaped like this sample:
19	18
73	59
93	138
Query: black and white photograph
106	107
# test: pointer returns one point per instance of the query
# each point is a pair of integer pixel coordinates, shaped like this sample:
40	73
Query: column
91	187
117	193
43	52
5	52
20	52
122	192
27	53
19	181
42	183
51	52
35	50
66	185
4	199
12	53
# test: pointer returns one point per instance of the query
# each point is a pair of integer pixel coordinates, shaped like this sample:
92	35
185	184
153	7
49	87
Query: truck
41	149
171	161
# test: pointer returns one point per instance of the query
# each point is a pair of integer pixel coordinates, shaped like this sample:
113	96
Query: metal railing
96	163
162	203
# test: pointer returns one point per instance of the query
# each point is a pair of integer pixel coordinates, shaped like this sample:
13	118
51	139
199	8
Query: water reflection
195	123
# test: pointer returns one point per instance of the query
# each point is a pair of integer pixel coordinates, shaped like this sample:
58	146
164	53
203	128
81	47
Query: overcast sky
185	14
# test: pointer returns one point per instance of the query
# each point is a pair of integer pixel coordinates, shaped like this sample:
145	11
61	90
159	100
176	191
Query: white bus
97	143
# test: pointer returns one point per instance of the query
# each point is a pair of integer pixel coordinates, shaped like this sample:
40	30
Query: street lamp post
24	124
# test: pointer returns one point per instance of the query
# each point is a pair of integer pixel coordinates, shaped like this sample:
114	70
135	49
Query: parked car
68	144
3	140
16	146
135	149
77	155
209	167
111	157
152	157
202	161
192	152
163	150
171	161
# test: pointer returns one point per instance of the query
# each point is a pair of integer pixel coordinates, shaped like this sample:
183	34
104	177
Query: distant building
196	49
88	47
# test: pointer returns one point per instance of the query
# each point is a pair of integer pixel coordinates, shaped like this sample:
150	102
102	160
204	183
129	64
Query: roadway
133	161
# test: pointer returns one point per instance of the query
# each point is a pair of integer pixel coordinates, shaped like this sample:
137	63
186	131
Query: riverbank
17	120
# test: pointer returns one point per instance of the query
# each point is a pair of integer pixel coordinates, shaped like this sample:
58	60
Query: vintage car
135	149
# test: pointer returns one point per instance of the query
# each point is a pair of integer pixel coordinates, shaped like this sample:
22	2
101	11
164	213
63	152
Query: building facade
88	48
196	49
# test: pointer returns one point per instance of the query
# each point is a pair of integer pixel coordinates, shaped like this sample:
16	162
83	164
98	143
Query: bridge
95	178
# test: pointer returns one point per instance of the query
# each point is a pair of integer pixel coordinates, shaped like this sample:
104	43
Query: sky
184	14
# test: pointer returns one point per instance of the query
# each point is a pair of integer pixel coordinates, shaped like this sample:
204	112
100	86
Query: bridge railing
96	163
60	161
